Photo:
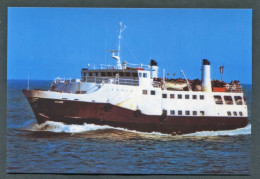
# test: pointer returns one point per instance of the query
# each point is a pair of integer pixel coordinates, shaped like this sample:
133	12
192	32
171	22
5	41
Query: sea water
54	147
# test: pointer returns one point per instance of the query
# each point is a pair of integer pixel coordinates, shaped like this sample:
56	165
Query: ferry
134	97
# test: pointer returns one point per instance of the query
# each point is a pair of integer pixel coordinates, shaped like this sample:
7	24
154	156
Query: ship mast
117	57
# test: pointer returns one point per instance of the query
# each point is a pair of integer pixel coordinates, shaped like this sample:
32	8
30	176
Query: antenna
117	57
122	28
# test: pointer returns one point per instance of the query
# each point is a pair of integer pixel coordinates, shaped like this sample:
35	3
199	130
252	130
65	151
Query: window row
179	96
228	100
186	96
110	74
187	113
234	113
144	75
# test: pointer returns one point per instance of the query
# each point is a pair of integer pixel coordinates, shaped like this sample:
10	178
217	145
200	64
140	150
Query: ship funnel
154	69
205	76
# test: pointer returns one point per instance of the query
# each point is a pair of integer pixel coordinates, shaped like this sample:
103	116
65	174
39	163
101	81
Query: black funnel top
206	62
153	63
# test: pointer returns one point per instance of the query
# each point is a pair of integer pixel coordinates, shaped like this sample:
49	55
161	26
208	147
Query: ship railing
120	81
107	66
64	80
234	88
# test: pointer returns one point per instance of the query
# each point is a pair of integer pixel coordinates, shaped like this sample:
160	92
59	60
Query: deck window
127	74
187	96
194	113
201	97
179	96
121	74
171	95
194	96
152	92
179	112
103	74
145	75
238	100
229	113
172	112
235	113
145	92
218	99
240	113
228	100
187	113
134	74
140	75
164	95
202	113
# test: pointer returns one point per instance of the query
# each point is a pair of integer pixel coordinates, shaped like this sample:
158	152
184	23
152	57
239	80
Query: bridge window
140	75
194	96
194	113
109	73
201	97
127	74
202	113
114	73
121	74
179	96
229	113
134	75
152	92
103	74
90	74
145	92
238	100
218	99
187	96
187	113
179	112
171	95
240	113
164	95
235	113
228	100
98	74
145	75
172	112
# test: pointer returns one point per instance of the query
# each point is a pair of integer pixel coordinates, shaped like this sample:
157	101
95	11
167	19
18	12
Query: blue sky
49	42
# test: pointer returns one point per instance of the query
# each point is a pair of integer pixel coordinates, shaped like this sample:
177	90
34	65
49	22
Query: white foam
61	127
241	131
73	128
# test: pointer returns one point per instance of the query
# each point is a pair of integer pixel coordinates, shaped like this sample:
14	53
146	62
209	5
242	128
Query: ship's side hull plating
77	112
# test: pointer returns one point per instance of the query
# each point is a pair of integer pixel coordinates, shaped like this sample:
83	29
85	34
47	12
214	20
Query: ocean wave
51	126
58	127
241	131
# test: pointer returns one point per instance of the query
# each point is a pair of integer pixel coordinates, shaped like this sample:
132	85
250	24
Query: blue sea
54	147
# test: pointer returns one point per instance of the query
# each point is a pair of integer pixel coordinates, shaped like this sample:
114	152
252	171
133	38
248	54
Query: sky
45	43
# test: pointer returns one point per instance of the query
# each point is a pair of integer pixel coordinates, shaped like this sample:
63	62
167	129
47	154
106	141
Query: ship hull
78	112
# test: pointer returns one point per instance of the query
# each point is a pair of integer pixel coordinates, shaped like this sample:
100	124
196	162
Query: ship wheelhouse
111	76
